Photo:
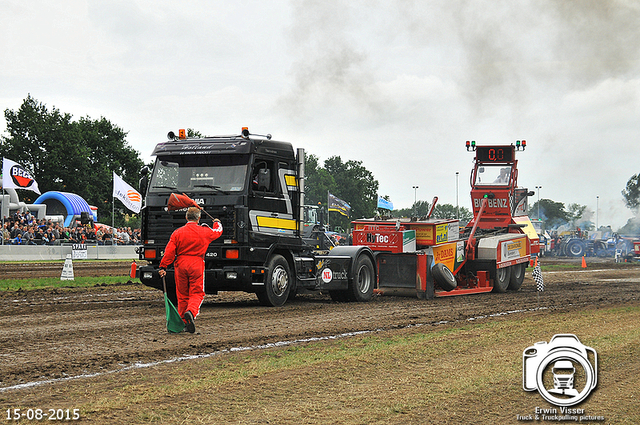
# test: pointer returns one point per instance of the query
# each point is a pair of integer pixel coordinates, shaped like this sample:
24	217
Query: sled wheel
501	279
443	277
517	276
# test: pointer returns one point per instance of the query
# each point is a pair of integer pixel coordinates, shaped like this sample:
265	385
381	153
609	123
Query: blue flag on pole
383	203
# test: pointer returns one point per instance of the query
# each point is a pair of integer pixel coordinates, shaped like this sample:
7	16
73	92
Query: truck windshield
490	175
200	173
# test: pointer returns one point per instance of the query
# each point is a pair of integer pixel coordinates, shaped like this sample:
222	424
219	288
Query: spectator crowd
24	229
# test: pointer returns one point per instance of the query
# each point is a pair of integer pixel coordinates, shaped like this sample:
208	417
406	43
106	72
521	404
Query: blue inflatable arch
67	204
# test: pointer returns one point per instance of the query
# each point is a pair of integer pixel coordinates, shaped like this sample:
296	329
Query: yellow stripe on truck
276	223
290	180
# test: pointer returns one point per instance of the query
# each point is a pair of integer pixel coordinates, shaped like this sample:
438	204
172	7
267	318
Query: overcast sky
399	85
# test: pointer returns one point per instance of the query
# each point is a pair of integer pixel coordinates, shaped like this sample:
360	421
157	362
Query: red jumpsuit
187	247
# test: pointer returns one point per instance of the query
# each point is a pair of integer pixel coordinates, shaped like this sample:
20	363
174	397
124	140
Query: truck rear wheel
361	286
517	276
501	279
278	283
443	277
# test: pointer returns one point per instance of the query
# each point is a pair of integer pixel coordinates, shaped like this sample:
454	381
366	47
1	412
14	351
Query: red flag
179	202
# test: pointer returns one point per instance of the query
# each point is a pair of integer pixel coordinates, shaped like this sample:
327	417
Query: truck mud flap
333	272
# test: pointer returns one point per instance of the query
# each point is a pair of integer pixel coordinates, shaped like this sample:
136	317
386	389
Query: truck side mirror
144	181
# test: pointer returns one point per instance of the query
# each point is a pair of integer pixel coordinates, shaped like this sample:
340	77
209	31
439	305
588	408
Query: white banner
130	197
15	176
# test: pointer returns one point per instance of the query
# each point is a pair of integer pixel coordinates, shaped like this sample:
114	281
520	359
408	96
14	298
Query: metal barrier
60	252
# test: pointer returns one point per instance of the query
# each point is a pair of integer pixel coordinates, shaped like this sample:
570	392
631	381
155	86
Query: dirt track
49	334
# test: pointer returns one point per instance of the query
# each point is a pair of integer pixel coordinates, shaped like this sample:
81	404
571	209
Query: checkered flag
537	276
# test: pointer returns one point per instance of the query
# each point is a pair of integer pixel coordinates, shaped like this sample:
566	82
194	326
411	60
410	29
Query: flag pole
328	203
2	235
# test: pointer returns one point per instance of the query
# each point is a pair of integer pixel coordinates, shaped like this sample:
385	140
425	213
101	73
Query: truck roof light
468	144
182	134
245	132
517	144
524	144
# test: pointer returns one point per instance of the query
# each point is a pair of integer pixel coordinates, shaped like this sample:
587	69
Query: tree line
66	155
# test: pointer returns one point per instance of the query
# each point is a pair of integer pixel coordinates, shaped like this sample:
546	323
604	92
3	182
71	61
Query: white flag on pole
130	197
15	176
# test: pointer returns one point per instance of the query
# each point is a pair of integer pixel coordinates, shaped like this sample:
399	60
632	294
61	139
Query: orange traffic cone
584	263
132	273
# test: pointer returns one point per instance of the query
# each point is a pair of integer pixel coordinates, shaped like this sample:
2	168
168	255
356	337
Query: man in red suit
186	250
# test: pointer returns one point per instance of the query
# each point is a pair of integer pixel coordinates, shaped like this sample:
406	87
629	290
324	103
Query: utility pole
457	205
538	187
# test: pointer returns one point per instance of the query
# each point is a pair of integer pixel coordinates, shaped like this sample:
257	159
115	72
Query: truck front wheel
501	279
278	283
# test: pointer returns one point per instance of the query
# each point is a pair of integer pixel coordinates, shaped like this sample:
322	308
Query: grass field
55	282
468	373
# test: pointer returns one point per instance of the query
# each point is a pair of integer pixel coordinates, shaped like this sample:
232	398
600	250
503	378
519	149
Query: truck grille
163	223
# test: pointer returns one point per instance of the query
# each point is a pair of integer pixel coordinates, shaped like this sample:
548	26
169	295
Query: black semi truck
255	187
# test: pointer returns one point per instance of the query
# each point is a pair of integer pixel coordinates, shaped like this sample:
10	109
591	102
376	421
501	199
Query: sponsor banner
15	176
496	203
409	241
130	197
447	232
79	251
460	255
446	254
513	249
424	235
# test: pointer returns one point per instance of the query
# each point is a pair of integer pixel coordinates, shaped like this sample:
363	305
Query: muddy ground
50	334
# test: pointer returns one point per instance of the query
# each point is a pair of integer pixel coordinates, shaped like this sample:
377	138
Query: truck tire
575	248
277	284
443	277
517	276
501	278
361	286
